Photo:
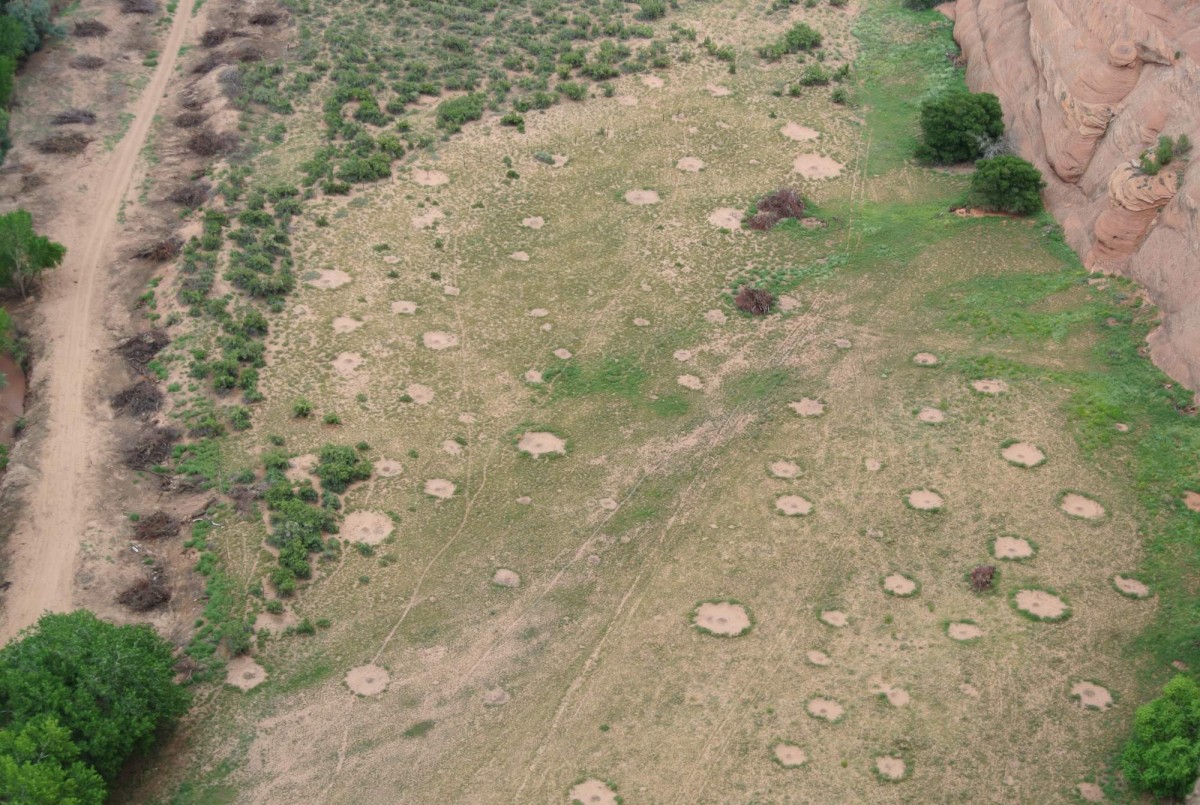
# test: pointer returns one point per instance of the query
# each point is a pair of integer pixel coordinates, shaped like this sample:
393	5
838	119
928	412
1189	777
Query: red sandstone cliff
1087	86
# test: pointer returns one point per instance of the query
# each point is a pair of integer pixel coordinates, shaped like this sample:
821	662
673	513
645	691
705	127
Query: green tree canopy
956	125
1006	184
111	686
24	254
39	765
1164	753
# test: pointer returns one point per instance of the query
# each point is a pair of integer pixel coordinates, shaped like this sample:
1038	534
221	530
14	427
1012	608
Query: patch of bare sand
592	792
429	178
801	134
328	278
899	585
1012	548
690	164
540	443
726	218
533	222
506	578
873	464
387	468
717	91
925	359
963	631
925	499
368	527
816	166
452	448
818	658
807	406
495	697
640	198
931	416
891	767
789	756
562	354
1040	603
682	355
1080	506
346	324
835	618
793	505
715	317
690	382
1121	427
990	386
347	363
842	343
640	322
367	680
652	81
1023	454
532	376
1192	501
439	340
1090	792
826	709
608	504
439	488
520	257
784	469
427	219
1092	696
1131	587
420	393
722	618
244	673
404	307
896	696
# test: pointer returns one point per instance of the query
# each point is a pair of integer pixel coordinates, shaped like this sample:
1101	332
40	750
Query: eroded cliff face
1087	86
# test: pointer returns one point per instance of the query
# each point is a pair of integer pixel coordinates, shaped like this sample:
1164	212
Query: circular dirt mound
539	443
789	756
835	618
931	416
990	386
367	680
345	324
369	527
1090	792
1023	454
925	359
329	278
439	340
404	307
818	658
387	468
429	178
347	363
900	585
562	354
843	343
925	500
690	164
533	376
690	382
495	697
1131	588
244	673
891	767
506	578
1192	501
896	696
873	464
1041	604
1012	548
640	198
1092	696
823	708
784	469
520	257
801	134
963	631
793	505
816	166
808	406
439	488
533	222
1079	506
722	618
420	393
726	218
717	91
592	792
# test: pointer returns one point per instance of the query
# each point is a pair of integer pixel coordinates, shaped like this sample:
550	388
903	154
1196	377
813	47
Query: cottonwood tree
24	254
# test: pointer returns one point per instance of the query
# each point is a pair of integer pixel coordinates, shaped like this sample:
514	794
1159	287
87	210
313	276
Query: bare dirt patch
368	527
652	81
404	307
627	100
690	164
717	91
244	673
931	416
427	219
925	500
715	317
722	618
726	218
1092	696
429	178
563	354
963	631
690	382
439	340
347	363
640	198
784	469
818	658
900	585
506	578
1012	548
592	792
495	697
1132	588
1077	505
873	464
541	443
532	376
793	505
896	696
990	386
1041	604
1023	454
835	618
387	468
808	406
346	324
533	222
925	359
419	393
1090	792
891	767
439	488
520	257
367	680
1192	501
329	278
798	133
789	756
825	709
816	166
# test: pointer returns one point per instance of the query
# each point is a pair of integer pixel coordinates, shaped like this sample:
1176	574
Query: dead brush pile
139	7
90	29
68	144
68	117
209	143
755	301
982	578
142	398
190	195
214	37
775	207
146	593
86	62
209	63
190	120
265	18
157	525
138	350
150	449
160	251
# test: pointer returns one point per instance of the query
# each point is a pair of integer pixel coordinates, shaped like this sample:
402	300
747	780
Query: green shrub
958	125
339	466
1164	752
814	75
454	113
573	90
800	38
1167	150
1006	184
8	69
302	408
651	10
35	18
921	5
39	765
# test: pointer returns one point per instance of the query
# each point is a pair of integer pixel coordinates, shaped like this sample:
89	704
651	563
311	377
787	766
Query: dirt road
45	546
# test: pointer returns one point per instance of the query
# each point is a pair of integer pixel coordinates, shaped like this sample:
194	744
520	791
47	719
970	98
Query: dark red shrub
755	301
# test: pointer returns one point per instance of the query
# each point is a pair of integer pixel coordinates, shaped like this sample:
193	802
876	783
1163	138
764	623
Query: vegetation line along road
45	545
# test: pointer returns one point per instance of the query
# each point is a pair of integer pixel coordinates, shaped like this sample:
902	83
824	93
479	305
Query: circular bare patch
726	218
537	312
793	505
1131	588
682	355
1041	604
533	376
367	680
823	708
690	382
717	91
347	362
963	631
1121	427
896	696
495	697
842	343
244	673
439	340
925	359
439	488
1080	506
873	464
421	394
714	317
640	198
533	222
329	278
608	504
429	178
690	165
1092	696
990	386
520	257
427	219
784	469
900	585
539	443
387	468
891	767
1090	792
652	81
592	792
722	618
801	134
931	416
835	618
925	500
506	578
562	354
369	527
816	166
1023	454
1192	501
808	407
818	658
789	756
452	448
525	500
346	324
1012	548
405	307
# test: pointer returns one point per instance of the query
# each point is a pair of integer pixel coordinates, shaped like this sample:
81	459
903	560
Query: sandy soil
244	673
1092	696
439	488
784	469
726	218
540	443
1040	603
789	756
429	178
640	198
816	166
818	658
925	500
1131	587
1023	454
1090	792
506	578
690	164
722	618
439	340
808	407
1080	506
798	133
793	505
925	359
963	631
899	585
891	768
825	709
329	278
367	680
835	618
368	527
1012	548
592	792
990	386
931	416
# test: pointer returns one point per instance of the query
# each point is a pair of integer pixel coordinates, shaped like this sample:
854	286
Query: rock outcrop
1087	86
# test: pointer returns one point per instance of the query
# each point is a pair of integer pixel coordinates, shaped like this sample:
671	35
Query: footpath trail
45	544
